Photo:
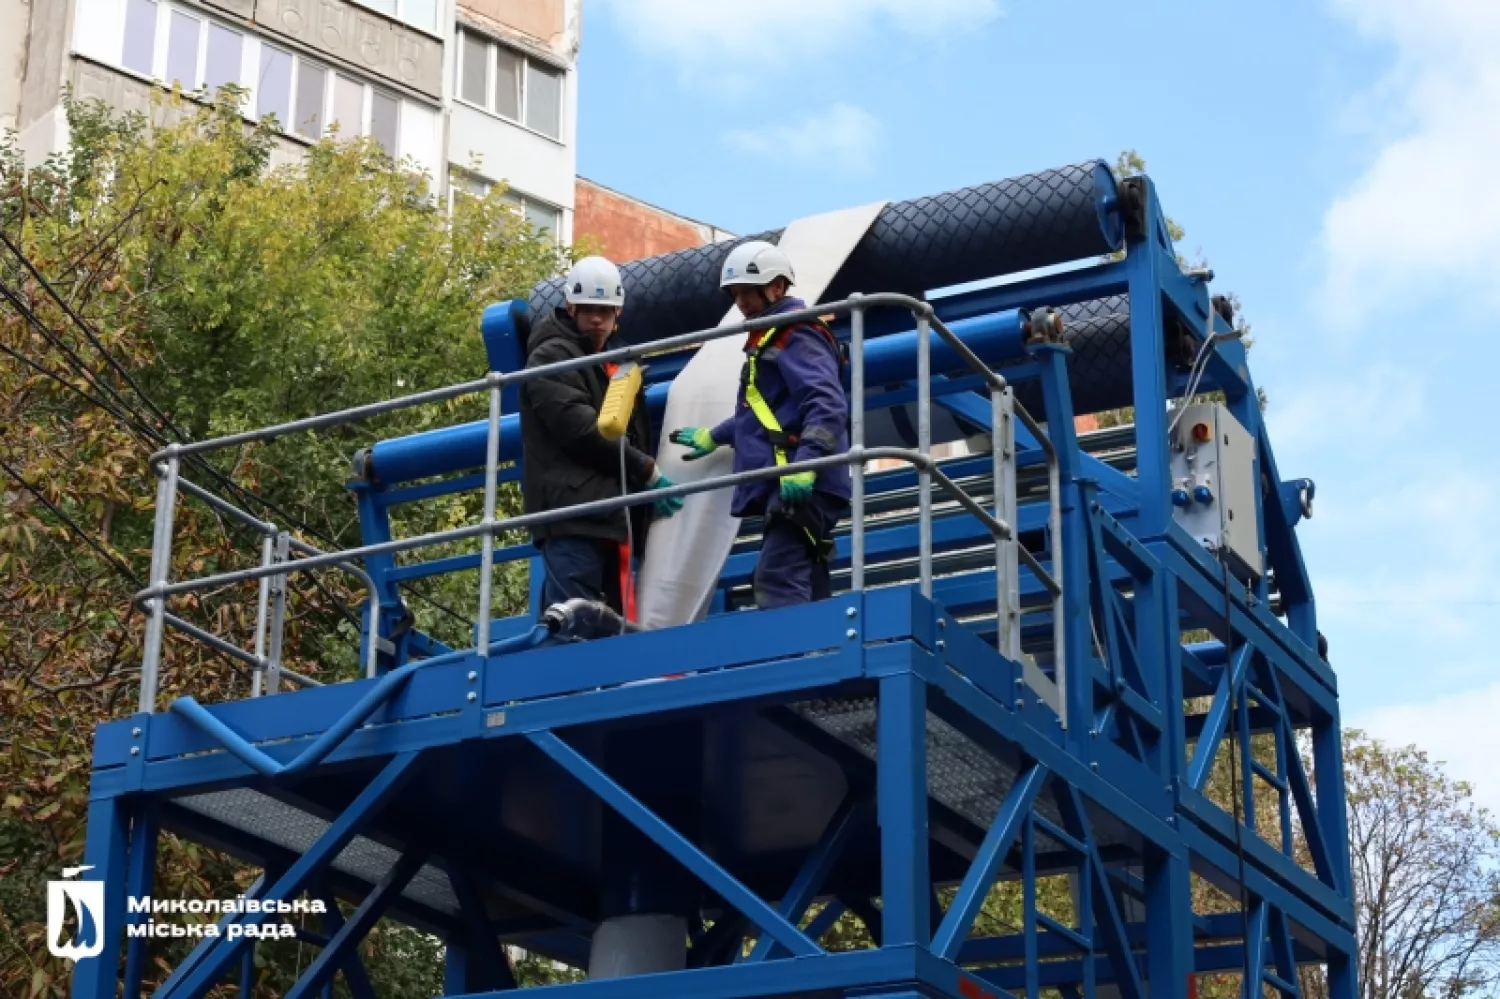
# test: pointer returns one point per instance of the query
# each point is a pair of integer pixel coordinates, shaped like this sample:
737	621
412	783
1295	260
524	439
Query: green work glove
797	489
664	507
700	439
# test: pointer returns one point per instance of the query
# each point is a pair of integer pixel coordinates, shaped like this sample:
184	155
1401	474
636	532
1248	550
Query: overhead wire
110	557
121	410
131	416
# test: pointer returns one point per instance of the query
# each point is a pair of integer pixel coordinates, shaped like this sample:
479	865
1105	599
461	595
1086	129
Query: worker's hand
700	439
664	508
797	489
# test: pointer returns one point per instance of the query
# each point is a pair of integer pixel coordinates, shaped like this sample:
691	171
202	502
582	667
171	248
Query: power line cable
114	560
135	421
152	437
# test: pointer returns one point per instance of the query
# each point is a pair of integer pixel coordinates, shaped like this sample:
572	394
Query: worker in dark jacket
791	407
567	460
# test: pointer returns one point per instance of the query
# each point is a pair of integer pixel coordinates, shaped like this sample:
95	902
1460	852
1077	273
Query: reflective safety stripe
757	402
822	547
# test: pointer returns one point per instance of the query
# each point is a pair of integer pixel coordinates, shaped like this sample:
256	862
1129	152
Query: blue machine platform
889	753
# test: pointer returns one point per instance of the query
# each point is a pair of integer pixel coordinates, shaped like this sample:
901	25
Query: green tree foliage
1426	864
233	295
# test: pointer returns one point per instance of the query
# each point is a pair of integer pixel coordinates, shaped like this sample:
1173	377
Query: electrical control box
1213	485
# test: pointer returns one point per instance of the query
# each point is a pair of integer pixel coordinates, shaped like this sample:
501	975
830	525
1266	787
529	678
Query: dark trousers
790	570
581	567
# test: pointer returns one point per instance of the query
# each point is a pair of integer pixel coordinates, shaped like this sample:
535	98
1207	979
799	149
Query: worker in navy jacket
791	407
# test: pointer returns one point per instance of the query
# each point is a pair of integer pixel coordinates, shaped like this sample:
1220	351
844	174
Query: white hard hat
595	281
757	263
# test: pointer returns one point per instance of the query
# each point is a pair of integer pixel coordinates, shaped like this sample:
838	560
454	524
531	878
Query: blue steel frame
1117	800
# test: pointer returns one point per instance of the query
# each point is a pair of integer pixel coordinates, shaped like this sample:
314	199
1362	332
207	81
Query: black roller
912	247
1099	369
1099	377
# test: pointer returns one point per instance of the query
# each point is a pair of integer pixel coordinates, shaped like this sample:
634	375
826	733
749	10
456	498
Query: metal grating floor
960	773
293	829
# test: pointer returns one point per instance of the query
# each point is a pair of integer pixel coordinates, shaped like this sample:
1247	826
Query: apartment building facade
474	92
514	103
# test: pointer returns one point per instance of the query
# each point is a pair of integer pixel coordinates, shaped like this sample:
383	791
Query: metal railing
277	545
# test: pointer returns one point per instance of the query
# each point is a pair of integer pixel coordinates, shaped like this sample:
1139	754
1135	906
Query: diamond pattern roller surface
913	247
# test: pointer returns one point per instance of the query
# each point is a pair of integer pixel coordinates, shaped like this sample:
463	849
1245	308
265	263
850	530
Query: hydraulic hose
585	619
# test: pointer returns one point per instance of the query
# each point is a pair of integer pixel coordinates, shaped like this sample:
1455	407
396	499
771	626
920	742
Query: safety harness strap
780	439
759	406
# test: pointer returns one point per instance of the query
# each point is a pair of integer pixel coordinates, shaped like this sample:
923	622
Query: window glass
223	64
385	121
542	217
348	107
384	6
466	185
273	88
421	14
420	131
544	99
508	83
476	55
182	50
310	100
140	35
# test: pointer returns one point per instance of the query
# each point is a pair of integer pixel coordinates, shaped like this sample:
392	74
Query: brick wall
623	228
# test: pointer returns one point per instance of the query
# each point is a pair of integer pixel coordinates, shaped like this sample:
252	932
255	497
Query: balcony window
182	50
225	54
177	45
385	120
309	112
511	84
273	87
540	215
140	36
544	99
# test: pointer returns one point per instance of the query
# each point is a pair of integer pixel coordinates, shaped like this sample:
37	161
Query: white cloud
842	139
1362	408
762	38
1414	572
1459	730
1424	217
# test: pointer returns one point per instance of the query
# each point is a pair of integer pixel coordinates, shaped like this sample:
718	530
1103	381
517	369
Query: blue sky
1333	161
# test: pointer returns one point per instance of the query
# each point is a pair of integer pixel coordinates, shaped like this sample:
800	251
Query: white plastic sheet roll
685	555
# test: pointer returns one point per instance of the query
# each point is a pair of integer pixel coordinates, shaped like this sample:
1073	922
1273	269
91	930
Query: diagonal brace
358	925
1307	808
848	820
481	941
220	952
353	967
1255	954
1230	681
1002	834
1106	911
674	843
